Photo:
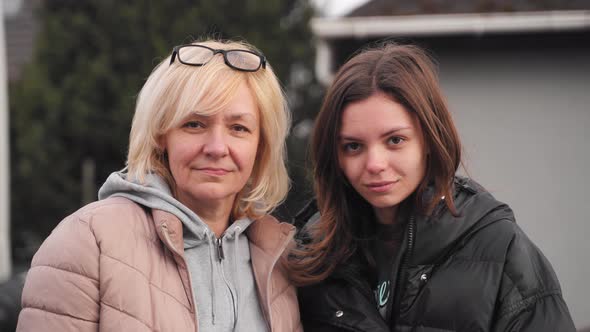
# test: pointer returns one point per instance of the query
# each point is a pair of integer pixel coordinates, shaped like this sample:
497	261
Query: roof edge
450	24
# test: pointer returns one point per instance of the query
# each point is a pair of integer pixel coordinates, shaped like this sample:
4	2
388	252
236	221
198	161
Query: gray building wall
524	117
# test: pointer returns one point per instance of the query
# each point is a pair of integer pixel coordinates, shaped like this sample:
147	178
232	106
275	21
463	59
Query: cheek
250	160
247	154
416	166
351	167
179	156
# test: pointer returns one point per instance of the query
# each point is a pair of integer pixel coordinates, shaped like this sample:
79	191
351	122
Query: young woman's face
211	157
381	150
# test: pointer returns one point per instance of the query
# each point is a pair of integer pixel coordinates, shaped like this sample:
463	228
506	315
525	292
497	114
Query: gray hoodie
221	272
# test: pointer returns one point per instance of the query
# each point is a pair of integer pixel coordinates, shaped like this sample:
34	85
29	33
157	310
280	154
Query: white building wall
524	118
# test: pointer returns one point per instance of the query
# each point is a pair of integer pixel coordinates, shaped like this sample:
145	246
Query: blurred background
516	74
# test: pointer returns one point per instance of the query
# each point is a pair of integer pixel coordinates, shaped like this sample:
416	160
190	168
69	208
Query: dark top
475	272
388	240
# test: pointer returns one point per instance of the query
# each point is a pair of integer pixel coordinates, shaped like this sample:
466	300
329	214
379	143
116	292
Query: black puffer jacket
477	272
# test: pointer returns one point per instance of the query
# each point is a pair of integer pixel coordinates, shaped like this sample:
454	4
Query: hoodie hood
155	193
232	304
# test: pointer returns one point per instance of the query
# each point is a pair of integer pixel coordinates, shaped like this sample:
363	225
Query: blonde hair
173	91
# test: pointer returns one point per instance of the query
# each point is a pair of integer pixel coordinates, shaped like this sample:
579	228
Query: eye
240	128
351	147
193	124
395	140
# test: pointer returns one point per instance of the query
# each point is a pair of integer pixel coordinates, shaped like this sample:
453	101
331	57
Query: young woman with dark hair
395	241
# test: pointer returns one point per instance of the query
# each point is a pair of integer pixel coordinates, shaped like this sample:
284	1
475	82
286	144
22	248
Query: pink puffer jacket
116	266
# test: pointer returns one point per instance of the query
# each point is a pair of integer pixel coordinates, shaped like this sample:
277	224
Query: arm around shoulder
61	291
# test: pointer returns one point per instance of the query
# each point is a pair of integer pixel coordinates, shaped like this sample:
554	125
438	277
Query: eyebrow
239	116
231	117
388	133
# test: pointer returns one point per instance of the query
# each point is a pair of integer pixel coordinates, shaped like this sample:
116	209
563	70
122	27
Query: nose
216	144
376	161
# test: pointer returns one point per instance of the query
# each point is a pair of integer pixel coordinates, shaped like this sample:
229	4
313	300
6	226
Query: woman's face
211	157
381	151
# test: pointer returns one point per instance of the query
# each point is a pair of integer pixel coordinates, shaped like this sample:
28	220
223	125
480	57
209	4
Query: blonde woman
181	240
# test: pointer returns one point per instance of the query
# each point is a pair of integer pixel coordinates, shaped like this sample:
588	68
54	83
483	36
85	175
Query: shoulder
309	213
70	262
481	229
110	209
493	221
84	232
105	216
99	215
523	260
481	218
471	197
529	287
267	232
306	219
74	244
528	275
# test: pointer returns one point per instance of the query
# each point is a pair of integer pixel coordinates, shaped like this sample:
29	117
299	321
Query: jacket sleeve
530	297
545	313
61	291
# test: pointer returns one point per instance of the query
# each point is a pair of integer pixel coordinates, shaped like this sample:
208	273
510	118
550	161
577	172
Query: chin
382	202
211	196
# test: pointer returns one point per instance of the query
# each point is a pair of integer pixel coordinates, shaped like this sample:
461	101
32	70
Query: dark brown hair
407	75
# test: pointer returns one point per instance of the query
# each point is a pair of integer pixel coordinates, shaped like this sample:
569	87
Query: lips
381	186
214	171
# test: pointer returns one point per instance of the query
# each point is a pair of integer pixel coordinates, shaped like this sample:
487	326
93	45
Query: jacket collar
265	233
268	234
439	234
269	241
169	230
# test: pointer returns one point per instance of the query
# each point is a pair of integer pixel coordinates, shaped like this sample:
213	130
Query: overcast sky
337	7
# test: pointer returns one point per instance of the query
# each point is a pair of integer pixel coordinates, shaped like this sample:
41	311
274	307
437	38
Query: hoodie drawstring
212	249
237	278
217	266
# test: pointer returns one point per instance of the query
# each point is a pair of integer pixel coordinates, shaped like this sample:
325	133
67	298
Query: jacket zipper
402	276
221	257
220	254
398	282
